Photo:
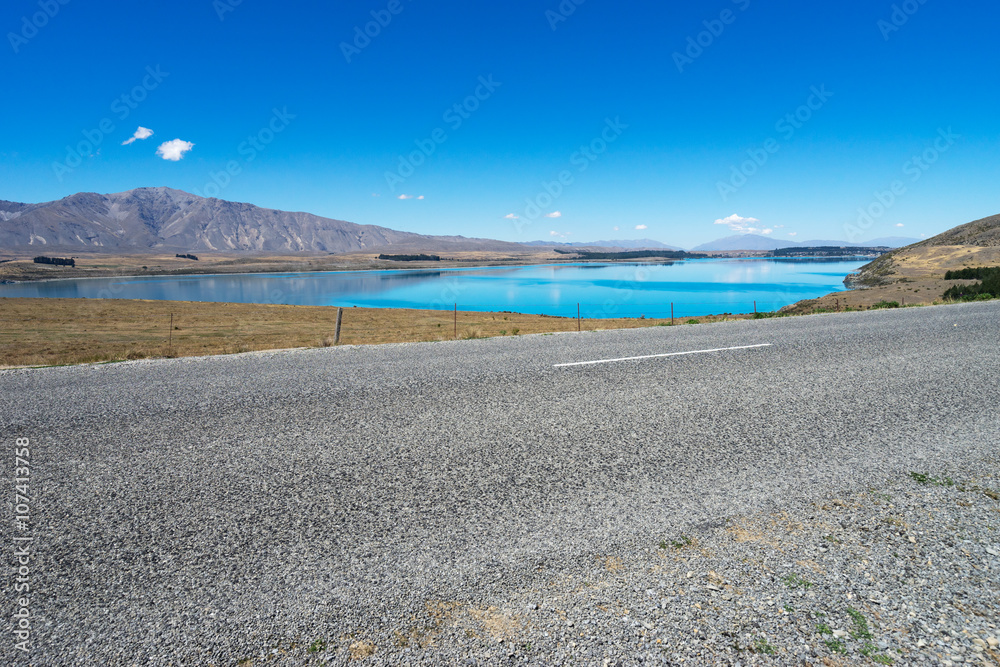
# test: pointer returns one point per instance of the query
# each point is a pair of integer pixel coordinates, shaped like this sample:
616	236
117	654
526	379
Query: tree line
56	261
988	288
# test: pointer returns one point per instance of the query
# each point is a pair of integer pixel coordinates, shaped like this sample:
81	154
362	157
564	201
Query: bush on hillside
989	288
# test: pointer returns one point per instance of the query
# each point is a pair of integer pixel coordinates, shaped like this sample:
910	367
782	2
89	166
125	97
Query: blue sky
680	122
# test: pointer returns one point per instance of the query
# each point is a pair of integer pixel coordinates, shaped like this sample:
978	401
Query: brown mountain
975	243
984	232
163	219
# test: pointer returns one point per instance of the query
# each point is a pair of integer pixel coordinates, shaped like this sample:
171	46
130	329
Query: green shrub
988	289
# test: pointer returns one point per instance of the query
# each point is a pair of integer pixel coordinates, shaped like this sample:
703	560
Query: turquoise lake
695	287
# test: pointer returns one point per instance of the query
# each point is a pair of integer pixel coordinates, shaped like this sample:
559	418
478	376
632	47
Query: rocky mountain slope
163	219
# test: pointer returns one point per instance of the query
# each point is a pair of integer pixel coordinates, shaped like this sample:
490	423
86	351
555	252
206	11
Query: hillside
972	244
163	219
915	274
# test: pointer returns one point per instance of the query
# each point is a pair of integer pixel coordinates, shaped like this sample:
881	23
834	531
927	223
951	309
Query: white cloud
554	214
766	231
616	229
375	194
735	219
420	197
558	235
511	216
141	133
793	233
405	197
174	150
899	224
778	226
641	227
740	224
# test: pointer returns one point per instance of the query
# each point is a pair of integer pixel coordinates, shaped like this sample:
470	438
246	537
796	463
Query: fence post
456	321
170	336
755	306
336	331
671	313
578	323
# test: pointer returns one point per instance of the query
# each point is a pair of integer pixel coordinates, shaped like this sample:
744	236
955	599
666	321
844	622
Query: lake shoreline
593	290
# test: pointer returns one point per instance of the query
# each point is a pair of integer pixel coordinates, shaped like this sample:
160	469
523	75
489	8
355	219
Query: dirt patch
362	649
499	625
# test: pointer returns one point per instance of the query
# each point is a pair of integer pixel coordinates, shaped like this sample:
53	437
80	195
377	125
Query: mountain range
631	244
758	242
167	220
163	219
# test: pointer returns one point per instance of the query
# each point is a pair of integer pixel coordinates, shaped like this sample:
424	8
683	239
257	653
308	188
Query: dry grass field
19	266
43	332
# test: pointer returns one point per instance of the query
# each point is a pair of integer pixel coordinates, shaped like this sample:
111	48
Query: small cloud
616	229
767	231
405	197
420	197
375	194
778	226
899	224
141	133
511	216
174	150
793	233
740	224
641	227
923	235
554	214
558	235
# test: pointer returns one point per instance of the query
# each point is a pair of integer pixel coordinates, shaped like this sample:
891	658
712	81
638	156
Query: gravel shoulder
468	503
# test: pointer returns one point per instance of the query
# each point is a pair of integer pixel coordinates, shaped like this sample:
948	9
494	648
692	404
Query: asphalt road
203	510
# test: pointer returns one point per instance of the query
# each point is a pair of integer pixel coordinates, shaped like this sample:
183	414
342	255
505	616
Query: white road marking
654	356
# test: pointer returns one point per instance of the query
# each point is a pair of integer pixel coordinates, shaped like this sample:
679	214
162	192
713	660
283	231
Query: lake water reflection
695	287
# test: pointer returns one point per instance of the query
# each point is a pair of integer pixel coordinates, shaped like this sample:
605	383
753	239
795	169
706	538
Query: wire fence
41	331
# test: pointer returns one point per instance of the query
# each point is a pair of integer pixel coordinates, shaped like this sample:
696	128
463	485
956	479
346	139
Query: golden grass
43	332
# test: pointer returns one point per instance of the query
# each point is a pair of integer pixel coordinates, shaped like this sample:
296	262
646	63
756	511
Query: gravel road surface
475	502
